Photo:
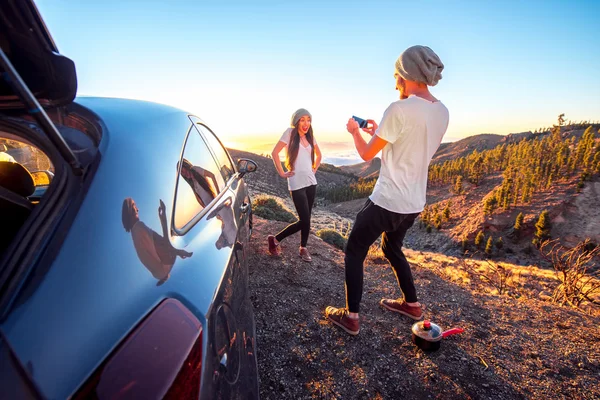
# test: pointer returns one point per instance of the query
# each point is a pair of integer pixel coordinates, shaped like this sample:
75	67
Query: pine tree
458	184
489	246
489	205
437	221
425	215
446	211
479	239
542	227
519	222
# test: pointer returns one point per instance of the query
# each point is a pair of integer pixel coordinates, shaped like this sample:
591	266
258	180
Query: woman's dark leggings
303	201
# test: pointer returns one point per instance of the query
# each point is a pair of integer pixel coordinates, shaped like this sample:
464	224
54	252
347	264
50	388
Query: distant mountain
368	169
463	147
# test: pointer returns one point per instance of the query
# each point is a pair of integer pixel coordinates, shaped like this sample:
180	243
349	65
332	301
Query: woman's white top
303	172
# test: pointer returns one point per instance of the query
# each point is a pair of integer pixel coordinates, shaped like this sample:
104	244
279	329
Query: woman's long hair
128	214
294	146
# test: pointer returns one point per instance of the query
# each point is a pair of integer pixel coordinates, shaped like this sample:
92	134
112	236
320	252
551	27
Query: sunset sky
245	66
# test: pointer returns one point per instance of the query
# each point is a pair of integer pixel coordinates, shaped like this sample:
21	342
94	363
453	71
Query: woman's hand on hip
287	174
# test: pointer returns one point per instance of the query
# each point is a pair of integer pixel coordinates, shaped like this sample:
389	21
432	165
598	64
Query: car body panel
97	288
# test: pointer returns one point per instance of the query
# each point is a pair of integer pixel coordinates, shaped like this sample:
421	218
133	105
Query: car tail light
161	358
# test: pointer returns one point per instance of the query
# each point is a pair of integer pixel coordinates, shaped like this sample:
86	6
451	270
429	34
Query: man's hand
352	126
371	127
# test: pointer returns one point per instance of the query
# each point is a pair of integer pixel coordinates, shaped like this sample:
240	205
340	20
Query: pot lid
427	330
26	42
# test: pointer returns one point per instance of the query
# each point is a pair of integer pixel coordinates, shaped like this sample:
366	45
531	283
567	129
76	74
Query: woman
155	252
302	161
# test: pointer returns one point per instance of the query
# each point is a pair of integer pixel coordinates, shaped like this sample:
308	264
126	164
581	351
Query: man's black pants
303	201
371	222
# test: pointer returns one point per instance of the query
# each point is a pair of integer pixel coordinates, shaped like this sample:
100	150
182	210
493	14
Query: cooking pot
428	336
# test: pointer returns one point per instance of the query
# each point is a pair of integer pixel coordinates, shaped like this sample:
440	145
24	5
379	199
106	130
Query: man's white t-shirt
303	172
413	128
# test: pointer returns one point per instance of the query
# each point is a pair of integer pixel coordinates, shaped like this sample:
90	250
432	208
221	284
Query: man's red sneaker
401	307
273	248
339	316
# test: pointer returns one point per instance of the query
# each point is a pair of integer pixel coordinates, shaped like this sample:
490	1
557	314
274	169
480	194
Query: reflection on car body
224	214
202	182
155	251
79	317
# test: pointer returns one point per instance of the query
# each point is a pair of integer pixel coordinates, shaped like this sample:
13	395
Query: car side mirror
245	165
42	178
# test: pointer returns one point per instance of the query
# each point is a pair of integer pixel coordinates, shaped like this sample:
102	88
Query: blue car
124	229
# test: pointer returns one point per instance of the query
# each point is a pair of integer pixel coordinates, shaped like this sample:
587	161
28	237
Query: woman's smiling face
303	125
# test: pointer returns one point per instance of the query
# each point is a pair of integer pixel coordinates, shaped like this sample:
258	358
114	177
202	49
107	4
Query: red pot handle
452	331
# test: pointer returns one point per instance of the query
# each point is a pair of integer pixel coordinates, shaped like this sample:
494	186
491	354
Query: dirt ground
513	347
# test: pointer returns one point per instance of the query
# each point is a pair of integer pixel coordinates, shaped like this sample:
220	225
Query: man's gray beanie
301	112
420	64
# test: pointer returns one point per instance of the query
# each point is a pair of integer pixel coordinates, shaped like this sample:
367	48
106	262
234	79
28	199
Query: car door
211	217
237	299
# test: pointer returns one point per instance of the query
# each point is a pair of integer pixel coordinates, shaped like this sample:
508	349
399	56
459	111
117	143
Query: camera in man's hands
362	123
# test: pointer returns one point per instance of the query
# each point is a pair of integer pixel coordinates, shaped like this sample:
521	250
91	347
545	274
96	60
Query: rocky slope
516	344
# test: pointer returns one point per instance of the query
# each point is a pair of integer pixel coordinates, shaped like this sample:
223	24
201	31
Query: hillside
464	147
460	148
446	151
266	180
368	169
516	343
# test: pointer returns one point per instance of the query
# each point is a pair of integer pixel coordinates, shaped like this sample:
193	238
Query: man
410	132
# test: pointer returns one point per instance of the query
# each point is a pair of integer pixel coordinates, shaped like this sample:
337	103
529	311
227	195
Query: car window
199	181
225	165
35	161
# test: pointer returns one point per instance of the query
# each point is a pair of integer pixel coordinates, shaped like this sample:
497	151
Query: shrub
579	280
464	243
332	237
500	243
269	208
